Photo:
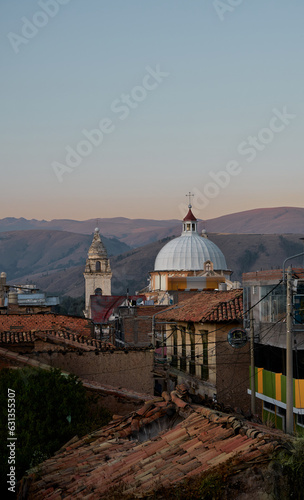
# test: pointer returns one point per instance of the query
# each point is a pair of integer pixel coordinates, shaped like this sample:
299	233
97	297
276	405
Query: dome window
97	268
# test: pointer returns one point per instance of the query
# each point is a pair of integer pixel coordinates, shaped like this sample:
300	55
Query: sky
121	107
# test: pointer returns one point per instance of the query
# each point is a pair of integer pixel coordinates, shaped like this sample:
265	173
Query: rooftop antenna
190	195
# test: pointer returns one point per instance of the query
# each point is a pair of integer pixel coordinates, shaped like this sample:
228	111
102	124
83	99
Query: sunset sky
120	107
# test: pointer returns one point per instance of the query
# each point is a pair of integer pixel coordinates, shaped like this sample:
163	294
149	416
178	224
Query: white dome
189	252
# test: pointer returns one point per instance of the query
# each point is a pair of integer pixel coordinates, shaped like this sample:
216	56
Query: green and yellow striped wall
273	385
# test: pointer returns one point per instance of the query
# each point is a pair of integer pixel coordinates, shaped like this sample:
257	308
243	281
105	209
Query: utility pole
253	410
289	359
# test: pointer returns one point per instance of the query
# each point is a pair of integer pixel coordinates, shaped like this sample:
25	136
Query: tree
50	409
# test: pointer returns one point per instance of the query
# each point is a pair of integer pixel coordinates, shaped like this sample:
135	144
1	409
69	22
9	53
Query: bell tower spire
97	273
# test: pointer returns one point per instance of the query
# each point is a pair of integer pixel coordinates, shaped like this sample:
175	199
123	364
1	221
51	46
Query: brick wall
28	322
137	330
232	371
137	324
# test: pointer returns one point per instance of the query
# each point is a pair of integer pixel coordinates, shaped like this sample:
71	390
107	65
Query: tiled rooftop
207	306
115	457
57	337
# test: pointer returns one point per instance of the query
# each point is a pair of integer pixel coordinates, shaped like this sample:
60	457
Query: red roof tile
208	306
60	337
91	466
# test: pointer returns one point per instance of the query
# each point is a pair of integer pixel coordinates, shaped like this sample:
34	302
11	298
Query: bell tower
97	273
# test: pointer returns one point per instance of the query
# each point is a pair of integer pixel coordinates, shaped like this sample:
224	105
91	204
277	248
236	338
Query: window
192	356
174	356
300	420
269	406
204	366
183	359
98	266
298	303
191	333
273	307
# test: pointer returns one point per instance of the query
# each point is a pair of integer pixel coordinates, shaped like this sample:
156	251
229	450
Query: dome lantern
190	251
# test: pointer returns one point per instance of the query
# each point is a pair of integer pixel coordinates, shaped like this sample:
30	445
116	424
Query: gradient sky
225	78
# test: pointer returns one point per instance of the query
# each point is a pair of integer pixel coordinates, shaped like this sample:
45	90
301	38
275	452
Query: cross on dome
190	217
190	195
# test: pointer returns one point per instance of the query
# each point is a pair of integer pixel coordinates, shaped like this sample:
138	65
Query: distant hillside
281	220
25	253
132	232
243	252
139	232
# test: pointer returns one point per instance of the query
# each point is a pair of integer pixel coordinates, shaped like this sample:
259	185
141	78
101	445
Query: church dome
190	251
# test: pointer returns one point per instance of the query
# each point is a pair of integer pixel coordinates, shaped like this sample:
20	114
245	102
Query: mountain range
138	232
54	257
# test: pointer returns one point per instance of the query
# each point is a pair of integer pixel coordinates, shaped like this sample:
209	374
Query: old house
207	347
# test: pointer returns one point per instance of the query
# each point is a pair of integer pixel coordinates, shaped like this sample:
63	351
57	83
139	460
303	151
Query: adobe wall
128	369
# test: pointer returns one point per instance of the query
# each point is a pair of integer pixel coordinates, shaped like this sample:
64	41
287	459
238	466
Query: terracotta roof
189	216
57	337
208	306
116	457
45	321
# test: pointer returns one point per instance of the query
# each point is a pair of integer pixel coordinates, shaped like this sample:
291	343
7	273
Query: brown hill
243	252
25	253
280	220
138	232
133	232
